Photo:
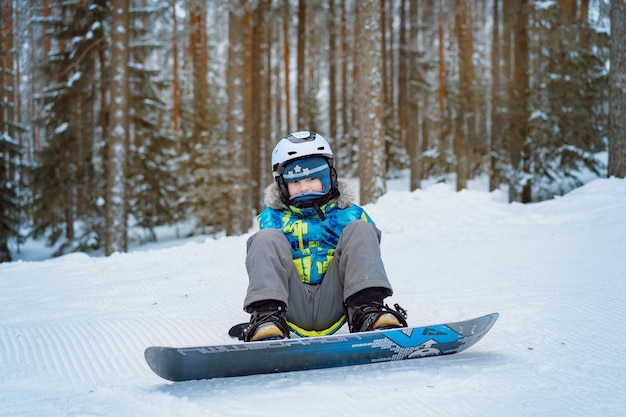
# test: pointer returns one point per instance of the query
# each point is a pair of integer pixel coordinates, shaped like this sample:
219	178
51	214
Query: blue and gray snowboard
238	359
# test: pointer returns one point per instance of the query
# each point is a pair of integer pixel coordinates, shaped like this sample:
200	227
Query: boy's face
306	185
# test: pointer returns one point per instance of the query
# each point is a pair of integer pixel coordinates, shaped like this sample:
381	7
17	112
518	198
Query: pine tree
206	180
153	192
66	181
568	122
10	149
12	207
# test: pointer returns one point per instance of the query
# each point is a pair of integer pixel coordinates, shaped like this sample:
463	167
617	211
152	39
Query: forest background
120	114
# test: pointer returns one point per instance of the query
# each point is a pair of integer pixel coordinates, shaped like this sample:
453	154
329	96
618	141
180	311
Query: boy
315	262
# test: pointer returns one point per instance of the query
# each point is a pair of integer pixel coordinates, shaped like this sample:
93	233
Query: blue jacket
313	240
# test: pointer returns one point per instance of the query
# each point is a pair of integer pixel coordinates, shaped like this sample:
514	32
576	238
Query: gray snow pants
356	265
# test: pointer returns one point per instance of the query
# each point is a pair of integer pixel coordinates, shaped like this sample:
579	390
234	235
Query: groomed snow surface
73	329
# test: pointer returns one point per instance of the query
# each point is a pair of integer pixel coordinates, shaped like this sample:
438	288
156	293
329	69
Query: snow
73	329
73	78
61	128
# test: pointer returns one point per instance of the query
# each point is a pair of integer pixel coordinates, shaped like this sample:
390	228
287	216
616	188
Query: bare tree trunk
7	86
352	137
519	107
617	92
286	16
385	29
332	71
175	96
240	219
270	123
369	103
403	77
429	111
261	80
584	10
7	130
345	122
199	57
116	237
441	97
495	143
413	142
462	129
277	92
302	68
568	12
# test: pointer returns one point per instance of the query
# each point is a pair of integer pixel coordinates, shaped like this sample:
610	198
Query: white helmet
299	145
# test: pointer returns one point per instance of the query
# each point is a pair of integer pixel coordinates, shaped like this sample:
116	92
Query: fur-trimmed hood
345	199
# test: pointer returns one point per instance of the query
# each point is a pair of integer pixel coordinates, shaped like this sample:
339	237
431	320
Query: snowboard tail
239	359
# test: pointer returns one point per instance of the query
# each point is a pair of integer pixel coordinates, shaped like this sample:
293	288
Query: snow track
73	330
80	351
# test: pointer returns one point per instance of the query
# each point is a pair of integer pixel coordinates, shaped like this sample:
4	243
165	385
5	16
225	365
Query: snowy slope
73	329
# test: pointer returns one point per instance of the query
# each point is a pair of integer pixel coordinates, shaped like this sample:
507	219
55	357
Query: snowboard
263	357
